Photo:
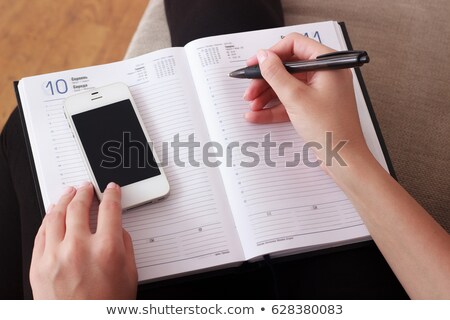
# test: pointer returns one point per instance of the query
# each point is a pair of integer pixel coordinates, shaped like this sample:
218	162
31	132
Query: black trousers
357	272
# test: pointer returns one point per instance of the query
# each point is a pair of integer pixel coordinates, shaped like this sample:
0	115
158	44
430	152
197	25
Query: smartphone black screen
115	144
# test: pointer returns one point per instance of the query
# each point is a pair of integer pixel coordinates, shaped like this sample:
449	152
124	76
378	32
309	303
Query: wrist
354	175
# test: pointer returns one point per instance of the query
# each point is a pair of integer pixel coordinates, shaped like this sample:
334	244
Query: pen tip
237	74
232	74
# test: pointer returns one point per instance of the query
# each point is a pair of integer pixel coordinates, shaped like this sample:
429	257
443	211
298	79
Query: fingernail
69	190
261	55
245	94
112	185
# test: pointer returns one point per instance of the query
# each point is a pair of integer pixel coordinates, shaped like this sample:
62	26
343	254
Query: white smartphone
115	145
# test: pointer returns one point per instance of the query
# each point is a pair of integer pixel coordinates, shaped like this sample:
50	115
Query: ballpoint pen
328	61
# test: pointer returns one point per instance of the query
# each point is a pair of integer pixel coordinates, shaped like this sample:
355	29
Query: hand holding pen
315	102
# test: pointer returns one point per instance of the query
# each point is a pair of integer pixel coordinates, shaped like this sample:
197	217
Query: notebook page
191	229
276	207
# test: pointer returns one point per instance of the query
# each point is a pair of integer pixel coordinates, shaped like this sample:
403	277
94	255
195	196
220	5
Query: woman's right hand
315	102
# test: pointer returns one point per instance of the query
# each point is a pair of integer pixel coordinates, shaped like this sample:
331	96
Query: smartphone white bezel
134	194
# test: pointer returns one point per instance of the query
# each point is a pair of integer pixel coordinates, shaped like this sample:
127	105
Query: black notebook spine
30	153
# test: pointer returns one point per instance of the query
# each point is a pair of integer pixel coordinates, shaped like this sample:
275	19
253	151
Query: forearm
416	247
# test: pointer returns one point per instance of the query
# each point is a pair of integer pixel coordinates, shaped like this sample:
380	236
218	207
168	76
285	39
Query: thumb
285	85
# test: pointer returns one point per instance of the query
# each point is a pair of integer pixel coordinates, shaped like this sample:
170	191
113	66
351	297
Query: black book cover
30	153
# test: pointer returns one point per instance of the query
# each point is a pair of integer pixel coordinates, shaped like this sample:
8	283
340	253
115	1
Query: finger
270	115
55	219
293	45
39	242
128	243
110	212
129	251
300	46
260	102
286	86
256	88
77	216
259	86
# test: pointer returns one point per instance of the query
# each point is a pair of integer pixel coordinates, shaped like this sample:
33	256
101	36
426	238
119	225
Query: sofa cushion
407	82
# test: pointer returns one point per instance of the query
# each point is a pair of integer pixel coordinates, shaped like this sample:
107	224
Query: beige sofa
408	79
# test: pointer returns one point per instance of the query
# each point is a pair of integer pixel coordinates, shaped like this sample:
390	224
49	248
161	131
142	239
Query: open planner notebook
214	216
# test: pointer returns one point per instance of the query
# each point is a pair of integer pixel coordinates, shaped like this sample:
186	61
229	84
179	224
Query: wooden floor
47	35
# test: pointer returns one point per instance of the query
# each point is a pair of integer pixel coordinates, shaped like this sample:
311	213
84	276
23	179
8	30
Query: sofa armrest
152	32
